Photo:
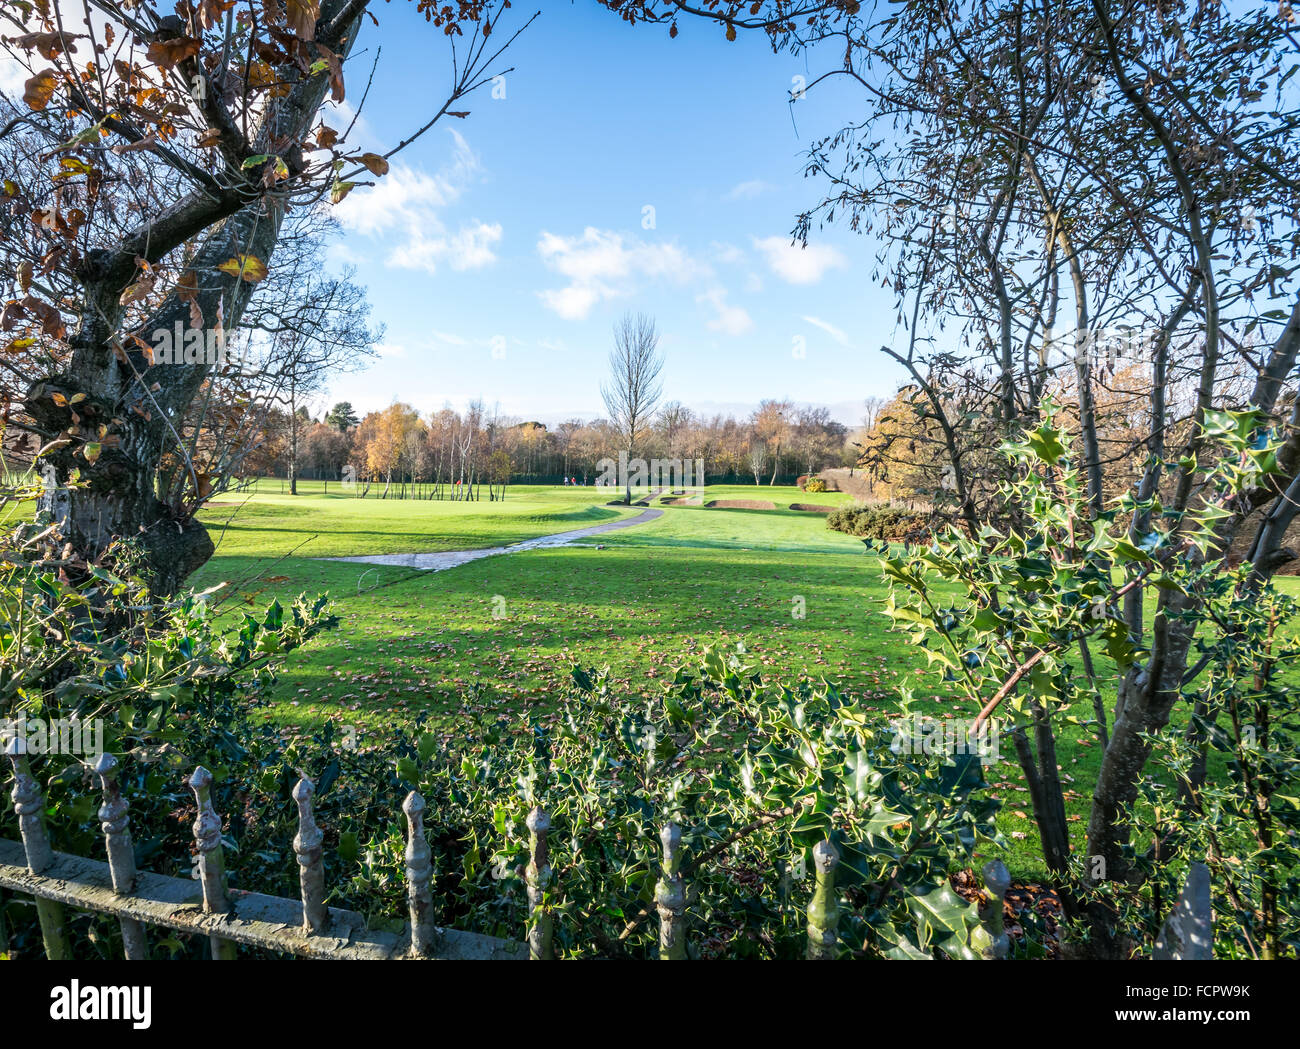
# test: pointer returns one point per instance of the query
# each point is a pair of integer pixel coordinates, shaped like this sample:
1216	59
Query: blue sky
500	249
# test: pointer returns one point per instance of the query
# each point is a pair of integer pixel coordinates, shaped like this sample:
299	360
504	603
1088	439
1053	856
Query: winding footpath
439	562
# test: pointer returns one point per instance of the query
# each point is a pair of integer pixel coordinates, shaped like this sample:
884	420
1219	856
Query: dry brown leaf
39	89
301	17
373	163
166	53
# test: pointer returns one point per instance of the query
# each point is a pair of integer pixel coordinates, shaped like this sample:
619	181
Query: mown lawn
500	634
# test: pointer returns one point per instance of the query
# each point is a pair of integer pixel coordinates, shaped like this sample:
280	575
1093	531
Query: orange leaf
166	53
137	291
38	90
187	287
301	17
336	72
49	45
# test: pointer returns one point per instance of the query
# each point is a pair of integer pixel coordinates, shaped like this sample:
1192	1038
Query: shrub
1036	617
815	484
883	523
171	688
754	773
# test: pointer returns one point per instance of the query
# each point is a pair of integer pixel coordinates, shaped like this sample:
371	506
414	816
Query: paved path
451	558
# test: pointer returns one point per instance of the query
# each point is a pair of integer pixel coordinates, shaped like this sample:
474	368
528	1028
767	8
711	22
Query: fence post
311	869
537	876
824	910
670	898
212	861
121	855
997	880
419	873
29	806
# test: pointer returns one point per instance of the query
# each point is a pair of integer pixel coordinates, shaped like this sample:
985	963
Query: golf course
499	635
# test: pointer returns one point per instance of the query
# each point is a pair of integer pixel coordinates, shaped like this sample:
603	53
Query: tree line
399	452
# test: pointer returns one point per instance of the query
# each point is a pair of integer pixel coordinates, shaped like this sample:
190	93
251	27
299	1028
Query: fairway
639	599
498	636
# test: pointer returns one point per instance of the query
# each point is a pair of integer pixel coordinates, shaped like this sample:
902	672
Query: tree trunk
140	404
293	438
118	510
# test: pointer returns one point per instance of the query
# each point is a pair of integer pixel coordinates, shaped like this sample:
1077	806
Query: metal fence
307	927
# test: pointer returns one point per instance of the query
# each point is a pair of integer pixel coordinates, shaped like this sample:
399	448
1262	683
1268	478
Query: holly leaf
941	913
1046	443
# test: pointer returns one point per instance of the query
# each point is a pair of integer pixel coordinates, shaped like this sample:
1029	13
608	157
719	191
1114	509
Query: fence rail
307	927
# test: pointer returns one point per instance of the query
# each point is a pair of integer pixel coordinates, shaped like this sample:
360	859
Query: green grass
639	599
333	523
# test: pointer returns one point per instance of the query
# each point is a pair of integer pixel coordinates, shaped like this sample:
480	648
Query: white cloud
574	303
726	254
402	197
342	254
468	249
406	202
13	77
838	334
730	320
604	264
750	190
799	265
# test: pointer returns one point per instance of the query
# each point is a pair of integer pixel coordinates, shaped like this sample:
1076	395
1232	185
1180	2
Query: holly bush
1042	622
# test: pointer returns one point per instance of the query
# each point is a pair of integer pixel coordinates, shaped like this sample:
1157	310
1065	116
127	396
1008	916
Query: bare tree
871	409
634	387
758	460
303	326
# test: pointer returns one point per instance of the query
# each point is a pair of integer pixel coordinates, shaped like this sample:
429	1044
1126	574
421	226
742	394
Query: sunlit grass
501	634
